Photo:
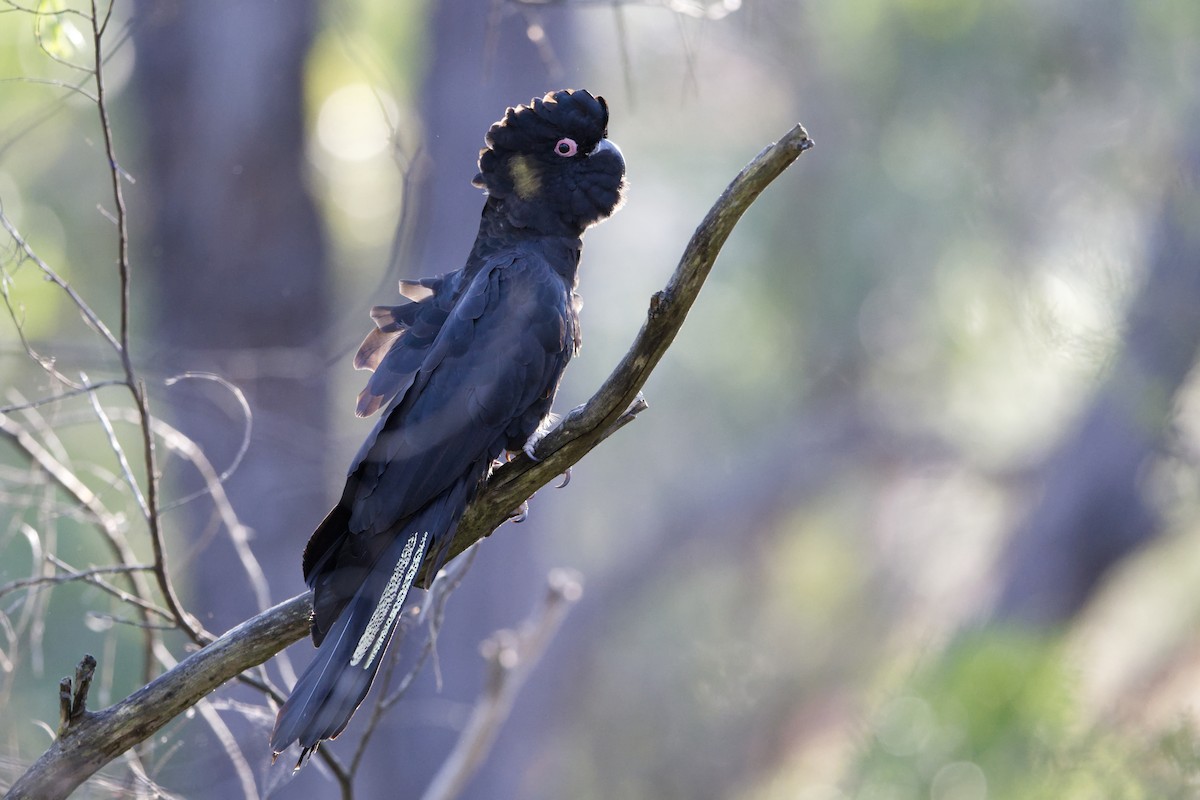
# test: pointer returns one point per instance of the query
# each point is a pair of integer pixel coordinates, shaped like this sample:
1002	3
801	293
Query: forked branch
96	738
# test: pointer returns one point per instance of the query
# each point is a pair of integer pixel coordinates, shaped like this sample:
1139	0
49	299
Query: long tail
337	680
351	650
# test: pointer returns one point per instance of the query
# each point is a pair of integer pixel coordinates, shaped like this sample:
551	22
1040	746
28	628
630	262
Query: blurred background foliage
824	564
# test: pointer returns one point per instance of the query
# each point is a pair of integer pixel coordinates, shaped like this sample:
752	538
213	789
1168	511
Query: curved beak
608	149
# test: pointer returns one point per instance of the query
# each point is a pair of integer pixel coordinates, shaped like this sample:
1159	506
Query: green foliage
994	717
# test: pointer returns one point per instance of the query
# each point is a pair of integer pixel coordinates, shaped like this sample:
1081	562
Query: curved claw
566	478
521	514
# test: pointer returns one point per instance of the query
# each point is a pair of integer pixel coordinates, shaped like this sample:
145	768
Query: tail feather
337	680
358	622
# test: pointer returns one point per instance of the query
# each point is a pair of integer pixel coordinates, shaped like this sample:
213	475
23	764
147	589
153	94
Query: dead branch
137	387
596	420
98	738
511	656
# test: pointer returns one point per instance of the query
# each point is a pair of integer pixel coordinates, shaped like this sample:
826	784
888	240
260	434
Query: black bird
464	371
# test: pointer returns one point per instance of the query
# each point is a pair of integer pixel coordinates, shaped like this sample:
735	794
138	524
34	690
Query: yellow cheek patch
525	177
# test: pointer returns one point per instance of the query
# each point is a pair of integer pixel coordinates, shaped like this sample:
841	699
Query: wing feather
403	334
497	357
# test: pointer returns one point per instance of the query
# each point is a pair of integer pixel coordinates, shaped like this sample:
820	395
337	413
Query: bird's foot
521	514
548	424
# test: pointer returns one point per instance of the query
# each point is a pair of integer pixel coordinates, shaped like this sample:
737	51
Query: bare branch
511	656
220	730
58	84
104	519
191	446
73	701
114	444
136	386
115	173
139	601
45	401
89	316
38	11
587	426
106	522
214	486
103	736
75	575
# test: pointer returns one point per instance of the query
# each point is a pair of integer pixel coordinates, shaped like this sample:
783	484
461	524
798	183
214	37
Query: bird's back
485	383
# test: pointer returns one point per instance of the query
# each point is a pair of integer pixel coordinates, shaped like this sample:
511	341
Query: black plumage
465	370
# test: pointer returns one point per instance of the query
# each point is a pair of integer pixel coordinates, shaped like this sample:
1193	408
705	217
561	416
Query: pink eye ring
566	147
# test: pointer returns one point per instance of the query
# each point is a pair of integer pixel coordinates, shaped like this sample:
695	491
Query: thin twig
137	387
114	444
41	43
180	444
135	600
37	10
95	511
243	448
176	442
113	532
86	388
89	316
47	364
104	520
32	616
68	577
511	656
58	84
115	173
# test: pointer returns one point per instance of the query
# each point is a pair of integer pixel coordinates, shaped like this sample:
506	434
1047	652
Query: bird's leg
548	423
551	422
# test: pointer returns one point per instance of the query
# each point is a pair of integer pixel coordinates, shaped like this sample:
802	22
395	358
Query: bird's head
551	166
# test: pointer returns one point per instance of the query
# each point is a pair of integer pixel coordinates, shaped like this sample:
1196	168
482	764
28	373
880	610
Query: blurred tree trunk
237	260
1093	510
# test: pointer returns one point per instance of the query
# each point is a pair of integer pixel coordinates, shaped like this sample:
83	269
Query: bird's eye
566	147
